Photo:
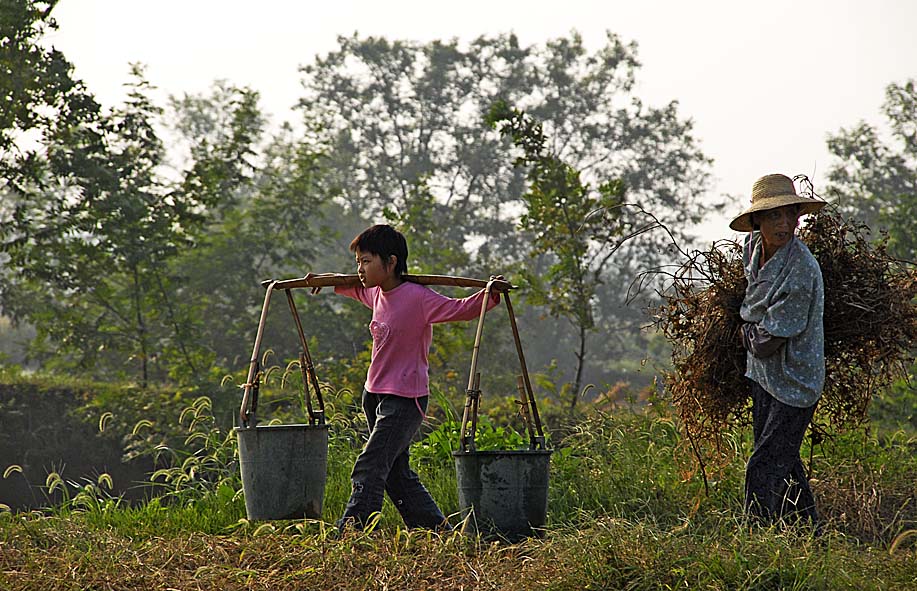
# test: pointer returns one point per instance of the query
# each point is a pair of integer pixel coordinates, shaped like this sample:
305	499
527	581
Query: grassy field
625	512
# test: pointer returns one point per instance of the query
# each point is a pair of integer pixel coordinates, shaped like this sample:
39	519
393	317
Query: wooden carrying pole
249	406
445	280
250	392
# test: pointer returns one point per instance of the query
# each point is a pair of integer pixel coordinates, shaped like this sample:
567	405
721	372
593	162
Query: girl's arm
356	292
439	308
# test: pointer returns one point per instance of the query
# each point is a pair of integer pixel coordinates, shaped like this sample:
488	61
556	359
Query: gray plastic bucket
283	470
505	491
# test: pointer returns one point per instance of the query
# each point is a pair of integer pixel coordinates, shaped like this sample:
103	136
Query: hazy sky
764	82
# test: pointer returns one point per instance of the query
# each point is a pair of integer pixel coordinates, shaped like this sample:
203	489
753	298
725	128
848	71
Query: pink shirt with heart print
402	331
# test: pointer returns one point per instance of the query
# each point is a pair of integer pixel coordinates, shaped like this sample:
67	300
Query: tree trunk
580	360
141	329
175	326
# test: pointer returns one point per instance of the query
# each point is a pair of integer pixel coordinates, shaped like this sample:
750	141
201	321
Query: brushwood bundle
870	321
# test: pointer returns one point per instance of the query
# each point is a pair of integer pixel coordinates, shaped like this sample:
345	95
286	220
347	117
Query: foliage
875	181
401	112
37	90
92	241
570	222
206	461
278	222
129	266
140	258
439	443
897	408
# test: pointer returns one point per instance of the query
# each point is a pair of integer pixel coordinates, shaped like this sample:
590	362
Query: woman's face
777	226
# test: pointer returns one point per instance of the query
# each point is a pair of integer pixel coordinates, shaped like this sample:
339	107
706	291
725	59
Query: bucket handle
529	408
473	392
250	388
536	432
307	368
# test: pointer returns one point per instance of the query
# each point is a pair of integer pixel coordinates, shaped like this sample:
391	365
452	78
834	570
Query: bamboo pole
538	441
332	280
307	368
248	400
473	391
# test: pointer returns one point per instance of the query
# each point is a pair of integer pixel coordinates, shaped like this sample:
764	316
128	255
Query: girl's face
373	271
777	226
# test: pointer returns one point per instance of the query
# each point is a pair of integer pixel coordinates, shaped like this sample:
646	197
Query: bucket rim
286	427
502	452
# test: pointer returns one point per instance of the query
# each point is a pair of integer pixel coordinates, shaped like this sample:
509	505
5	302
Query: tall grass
625	511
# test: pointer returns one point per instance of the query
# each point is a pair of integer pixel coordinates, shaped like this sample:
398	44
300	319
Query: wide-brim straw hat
770	192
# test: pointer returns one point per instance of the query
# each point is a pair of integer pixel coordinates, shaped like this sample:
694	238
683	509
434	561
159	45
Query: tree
570	221
118	253
119	261
91	242
875	181
37	94
399	114
37	90
273	223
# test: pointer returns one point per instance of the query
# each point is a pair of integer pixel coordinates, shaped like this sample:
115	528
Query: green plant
439	443
207	461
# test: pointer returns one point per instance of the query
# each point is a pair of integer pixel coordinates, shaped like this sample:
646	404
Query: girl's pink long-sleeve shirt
402	331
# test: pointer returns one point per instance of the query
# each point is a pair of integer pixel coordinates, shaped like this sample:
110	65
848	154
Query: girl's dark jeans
776	484
383	465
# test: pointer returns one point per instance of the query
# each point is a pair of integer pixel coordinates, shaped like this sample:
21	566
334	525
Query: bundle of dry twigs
870	329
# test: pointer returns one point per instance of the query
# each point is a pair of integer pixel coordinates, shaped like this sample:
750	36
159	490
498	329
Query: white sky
764	82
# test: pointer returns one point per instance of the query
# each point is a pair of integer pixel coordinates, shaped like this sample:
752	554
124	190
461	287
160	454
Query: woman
784	336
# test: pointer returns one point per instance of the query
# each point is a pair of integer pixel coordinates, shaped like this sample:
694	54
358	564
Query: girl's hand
495	295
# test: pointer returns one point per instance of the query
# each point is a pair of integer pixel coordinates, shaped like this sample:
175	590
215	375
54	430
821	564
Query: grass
624	513
714	552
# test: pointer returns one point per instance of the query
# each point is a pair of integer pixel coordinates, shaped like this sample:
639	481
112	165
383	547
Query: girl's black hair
384	241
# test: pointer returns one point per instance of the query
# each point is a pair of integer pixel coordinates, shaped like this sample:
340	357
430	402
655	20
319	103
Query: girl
396	391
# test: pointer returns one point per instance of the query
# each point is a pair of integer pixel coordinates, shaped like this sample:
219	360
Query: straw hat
770	192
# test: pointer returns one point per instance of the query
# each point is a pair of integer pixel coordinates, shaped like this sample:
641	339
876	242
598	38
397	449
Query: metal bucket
284	468
506	492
